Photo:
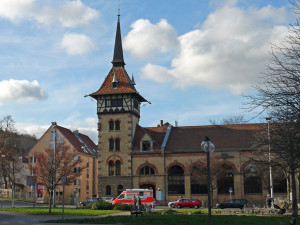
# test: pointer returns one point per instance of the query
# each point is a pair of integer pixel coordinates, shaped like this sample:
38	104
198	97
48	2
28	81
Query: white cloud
77	44
15	10
88	126
70	14
229	50
145	38
20	91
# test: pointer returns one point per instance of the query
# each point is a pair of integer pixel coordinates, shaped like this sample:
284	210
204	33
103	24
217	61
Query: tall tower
118	110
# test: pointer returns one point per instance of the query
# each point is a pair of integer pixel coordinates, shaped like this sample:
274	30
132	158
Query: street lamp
208	147
270	167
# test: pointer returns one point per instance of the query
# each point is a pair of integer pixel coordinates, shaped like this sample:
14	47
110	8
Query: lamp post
270	167
208	147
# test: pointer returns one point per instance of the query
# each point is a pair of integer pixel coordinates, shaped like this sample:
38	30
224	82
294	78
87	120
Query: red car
187	202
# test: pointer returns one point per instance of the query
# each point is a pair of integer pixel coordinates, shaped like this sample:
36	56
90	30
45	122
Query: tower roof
125	85
118	60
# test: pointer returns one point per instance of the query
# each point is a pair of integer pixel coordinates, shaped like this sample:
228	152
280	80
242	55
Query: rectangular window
76	182
146	146
117	102
87	162
87	173
87	186
55	141
108	103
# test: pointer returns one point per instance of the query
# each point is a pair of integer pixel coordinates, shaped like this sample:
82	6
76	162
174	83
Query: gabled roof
156	133
233	136
82	143
124	84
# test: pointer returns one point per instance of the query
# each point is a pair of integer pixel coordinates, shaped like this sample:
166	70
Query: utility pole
54	190
270	167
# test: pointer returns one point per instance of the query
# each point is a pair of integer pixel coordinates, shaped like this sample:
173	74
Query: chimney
161	123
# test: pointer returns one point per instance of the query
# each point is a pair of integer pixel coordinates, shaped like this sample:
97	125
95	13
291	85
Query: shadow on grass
181	219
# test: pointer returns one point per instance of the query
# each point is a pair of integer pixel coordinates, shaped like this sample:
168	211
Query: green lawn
182	219
58	211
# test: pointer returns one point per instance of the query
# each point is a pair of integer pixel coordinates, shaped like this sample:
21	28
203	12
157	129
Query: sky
191	59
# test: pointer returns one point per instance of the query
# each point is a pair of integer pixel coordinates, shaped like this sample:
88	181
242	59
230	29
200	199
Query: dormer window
146	146
115	82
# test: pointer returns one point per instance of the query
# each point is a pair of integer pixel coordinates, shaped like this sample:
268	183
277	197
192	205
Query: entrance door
149	186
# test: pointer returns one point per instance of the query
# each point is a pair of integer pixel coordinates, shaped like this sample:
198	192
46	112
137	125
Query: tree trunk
50	201
294	198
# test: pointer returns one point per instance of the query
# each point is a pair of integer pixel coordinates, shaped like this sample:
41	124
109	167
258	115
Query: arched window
117	125
252	181
198	180
120	189
117	143
176	180
118	168
108	190
111	125
147	170
225	179
111	168
111	144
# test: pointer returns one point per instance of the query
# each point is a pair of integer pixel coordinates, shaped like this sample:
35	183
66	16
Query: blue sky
191	59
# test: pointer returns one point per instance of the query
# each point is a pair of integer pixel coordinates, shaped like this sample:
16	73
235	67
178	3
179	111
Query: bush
122	207
168	212
100	205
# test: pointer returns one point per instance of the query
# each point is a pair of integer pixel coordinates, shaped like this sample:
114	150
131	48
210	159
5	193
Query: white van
126	197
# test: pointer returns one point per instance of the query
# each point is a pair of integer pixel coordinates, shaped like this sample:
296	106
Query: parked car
171	204
233	203
187	202
89	200
108	199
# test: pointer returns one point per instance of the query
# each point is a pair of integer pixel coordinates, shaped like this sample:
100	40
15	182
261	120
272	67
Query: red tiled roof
234	136
77	144
124	85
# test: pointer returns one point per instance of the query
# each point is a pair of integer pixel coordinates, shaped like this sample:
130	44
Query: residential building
86	184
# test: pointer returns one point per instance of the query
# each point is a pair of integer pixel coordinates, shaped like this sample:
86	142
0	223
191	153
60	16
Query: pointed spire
132	82
118	60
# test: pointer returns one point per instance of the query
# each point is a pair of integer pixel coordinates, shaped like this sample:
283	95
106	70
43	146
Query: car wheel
172	205
196	207
178	206
221	207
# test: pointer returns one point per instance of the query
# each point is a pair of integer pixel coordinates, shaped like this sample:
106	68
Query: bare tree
234	119
279	96
52	165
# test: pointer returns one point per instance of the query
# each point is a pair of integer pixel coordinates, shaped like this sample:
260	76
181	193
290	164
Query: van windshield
121	196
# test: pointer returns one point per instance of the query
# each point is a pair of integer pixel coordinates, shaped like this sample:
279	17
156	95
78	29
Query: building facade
85	185
168	158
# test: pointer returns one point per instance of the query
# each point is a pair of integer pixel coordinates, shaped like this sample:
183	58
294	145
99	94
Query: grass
181	219
58	211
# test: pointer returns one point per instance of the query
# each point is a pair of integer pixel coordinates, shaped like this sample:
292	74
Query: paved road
8	203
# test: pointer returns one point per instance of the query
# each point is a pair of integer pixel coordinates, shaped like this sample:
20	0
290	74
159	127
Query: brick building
168	157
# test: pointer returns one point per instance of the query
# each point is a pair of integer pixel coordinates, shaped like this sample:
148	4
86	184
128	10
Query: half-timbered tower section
118	110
